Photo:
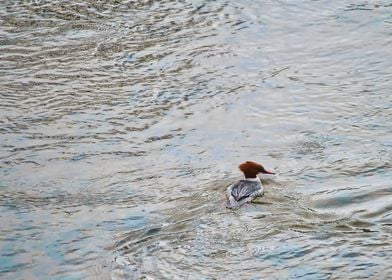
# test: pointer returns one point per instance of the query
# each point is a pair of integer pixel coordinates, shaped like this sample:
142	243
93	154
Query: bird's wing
244	189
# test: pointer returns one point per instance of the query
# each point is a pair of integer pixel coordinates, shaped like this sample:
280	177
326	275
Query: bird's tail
232	203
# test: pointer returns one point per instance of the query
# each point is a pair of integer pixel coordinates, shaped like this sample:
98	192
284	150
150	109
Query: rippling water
122	123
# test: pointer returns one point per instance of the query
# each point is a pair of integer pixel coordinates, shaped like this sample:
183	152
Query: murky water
122	123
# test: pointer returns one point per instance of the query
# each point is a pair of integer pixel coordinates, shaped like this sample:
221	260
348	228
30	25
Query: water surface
122	123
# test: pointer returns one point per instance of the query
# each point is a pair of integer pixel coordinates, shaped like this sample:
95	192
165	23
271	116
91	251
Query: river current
123	122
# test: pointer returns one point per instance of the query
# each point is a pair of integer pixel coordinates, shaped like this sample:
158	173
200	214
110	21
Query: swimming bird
247	189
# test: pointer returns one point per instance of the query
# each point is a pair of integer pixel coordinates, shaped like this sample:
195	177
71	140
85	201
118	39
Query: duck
246	190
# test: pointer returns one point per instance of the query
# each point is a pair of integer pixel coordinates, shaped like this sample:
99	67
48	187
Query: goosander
246	190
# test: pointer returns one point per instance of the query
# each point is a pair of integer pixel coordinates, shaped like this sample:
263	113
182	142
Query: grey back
243	189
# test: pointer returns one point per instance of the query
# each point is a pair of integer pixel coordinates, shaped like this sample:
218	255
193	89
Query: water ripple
122	122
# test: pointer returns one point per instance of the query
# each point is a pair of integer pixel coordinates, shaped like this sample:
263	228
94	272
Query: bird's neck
256	179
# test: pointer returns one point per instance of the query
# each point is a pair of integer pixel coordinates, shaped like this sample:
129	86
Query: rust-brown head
251	169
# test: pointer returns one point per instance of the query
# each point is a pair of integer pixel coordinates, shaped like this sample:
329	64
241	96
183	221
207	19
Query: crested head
251	169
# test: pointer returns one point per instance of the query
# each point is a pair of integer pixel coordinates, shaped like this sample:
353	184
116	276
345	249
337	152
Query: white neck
257	179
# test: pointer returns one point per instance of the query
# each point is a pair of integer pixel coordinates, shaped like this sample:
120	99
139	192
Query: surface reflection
122	123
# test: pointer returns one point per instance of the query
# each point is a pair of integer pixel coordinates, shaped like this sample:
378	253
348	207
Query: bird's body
243	191
247	189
